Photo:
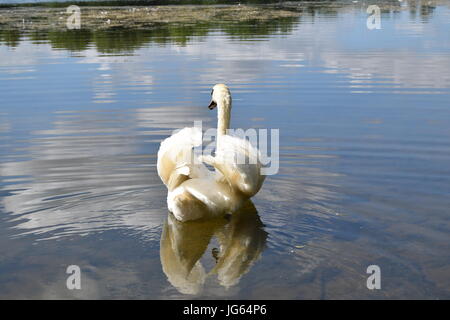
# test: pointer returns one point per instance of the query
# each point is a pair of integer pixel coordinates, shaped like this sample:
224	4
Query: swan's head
220	95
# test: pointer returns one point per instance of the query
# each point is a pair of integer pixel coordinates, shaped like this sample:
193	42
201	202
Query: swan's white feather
195	192
238	161
176	158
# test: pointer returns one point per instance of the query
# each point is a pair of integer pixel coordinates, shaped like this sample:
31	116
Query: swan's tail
176	158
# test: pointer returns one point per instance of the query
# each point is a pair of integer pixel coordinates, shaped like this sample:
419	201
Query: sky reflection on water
364	170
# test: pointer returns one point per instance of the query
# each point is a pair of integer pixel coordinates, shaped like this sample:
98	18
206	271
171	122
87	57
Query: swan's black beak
212	105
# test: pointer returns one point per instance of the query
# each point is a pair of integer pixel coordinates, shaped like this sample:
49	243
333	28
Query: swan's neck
223	119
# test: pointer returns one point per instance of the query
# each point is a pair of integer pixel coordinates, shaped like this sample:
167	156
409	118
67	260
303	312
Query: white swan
194	191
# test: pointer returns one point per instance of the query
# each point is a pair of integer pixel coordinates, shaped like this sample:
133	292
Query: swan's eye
212	92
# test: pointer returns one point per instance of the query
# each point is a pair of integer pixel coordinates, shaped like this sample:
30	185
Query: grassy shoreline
118	3
131	17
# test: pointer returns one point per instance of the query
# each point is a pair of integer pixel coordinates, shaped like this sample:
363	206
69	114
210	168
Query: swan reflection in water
241	240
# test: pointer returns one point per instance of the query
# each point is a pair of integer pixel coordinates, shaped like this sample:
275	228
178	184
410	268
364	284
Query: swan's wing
238	162
176	159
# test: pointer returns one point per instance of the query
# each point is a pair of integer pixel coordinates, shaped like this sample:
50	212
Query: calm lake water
364	179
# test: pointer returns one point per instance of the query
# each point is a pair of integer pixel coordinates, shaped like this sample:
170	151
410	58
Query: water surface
364	119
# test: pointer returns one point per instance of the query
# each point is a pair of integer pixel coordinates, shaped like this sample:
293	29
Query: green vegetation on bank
106	3
95	18
119	40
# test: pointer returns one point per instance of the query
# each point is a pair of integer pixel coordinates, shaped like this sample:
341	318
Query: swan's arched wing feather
239	163
176	158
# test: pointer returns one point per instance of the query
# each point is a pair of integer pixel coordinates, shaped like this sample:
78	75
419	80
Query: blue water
364	177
